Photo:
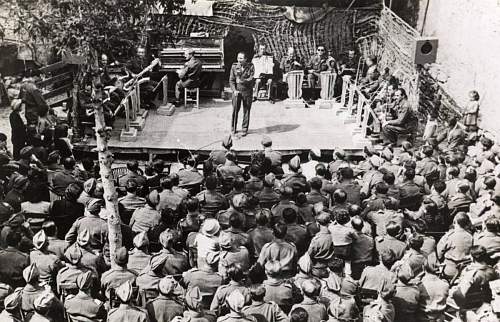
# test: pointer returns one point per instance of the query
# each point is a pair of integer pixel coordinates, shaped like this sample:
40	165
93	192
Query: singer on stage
241	81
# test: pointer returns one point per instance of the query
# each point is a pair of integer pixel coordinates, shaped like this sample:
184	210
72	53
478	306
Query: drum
327	81
294	79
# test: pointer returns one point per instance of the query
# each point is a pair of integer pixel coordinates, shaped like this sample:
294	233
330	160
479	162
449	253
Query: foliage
81	26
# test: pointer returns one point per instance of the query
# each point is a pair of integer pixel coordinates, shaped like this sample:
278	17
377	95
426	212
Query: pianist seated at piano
189	75
264	71
136	65
290	62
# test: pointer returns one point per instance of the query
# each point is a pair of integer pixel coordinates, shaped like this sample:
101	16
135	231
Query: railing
358	108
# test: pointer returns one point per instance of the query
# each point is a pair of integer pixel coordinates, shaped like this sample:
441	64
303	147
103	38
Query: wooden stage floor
293	130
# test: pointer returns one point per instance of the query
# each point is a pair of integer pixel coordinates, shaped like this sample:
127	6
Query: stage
293	130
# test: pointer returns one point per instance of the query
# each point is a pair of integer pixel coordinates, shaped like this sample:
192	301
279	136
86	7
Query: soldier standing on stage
241	81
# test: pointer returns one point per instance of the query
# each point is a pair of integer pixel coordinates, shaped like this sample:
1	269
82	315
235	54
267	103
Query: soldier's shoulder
379	239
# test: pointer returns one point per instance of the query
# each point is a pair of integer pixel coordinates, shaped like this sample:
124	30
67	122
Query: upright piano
211	53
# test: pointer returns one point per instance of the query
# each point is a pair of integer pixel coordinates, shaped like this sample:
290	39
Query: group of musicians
251	80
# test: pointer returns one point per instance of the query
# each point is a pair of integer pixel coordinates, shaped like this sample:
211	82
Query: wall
469	43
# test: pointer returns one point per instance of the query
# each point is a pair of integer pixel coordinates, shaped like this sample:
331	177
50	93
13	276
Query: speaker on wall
425	50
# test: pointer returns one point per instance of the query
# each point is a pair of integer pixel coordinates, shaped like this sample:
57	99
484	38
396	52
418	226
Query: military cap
269	179
40	239
235	301
315	153
227	142
212	258
294	163
339	153
210	227
240	200
94	206
19	182
305	264
376	161
486	141
309	288
16	219
85	280
386	154
6	210
131	184
167	236
348	286
167	285
31	273
193	298
124	292
157	262
141	240
89	185
12	301
266	141
26	152
121	256
73	254
83	237
44	301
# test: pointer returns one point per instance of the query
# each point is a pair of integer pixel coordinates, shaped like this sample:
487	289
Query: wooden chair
195	100
294	80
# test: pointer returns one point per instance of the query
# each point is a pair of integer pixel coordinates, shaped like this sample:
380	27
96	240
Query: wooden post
164	82
126	106
103	134
74	113
345	84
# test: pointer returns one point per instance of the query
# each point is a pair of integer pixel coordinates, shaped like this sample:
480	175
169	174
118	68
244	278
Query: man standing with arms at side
241	81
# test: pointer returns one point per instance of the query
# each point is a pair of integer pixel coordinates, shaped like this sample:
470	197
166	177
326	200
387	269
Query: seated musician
371	67
318	63
290	62
406	121
264	70
385	102
348	64
189	75
135	67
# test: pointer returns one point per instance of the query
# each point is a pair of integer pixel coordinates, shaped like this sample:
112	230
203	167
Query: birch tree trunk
103	134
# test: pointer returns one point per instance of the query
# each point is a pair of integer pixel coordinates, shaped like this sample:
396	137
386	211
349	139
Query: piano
209	50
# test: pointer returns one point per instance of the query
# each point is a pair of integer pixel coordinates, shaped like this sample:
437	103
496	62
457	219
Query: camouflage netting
336	30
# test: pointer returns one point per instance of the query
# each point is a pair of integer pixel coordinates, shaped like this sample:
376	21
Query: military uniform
405	123
48	265
454	247
211	202
265	312
227	173
277	210
260	236
97	227
164	308
490	241
115	277
280	251
219	300
433	295
321	251
253	185
381	218
373	277
241	79
296	181
390	243
298	235
169	199
148	281
275	158
362	253
224	215
237	256
474	280
318	63
175	263
68	275
13	263
141	180
316	311
28	296
236	317
8	317
240	238
315	197
127	313
138	260
206	281
281	292
406	301
267	197
57	246
83	305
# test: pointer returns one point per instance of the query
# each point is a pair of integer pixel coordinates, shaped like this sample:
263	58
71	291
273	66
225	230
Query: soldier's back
127	313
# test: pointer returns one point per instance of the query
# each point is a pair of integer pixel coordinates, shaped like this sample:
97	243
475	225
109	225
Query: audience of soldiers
405	234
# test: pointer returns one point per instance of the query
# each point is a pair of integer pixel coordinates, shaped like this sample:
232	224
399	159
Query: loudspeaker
425	51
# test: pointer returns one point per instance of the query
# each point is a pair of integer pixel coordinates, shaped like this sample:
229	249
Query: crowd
405	234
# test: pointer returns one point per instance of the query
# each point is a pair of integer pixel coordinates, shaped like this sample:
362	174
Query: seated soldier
189	75
318	63
290	62
264	70
406	121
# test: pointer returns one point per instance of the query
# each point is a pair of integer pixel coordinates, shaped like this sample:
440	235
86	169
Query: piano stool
187	99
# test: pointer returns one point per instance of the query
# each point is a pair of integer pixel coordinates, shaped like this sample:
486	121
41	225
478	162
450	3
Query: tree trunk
74	113
103	134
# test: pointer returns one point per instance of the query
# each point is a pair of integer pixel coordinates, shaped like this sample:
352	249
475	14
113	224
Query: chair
146	295
66	289
295	79
187	99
